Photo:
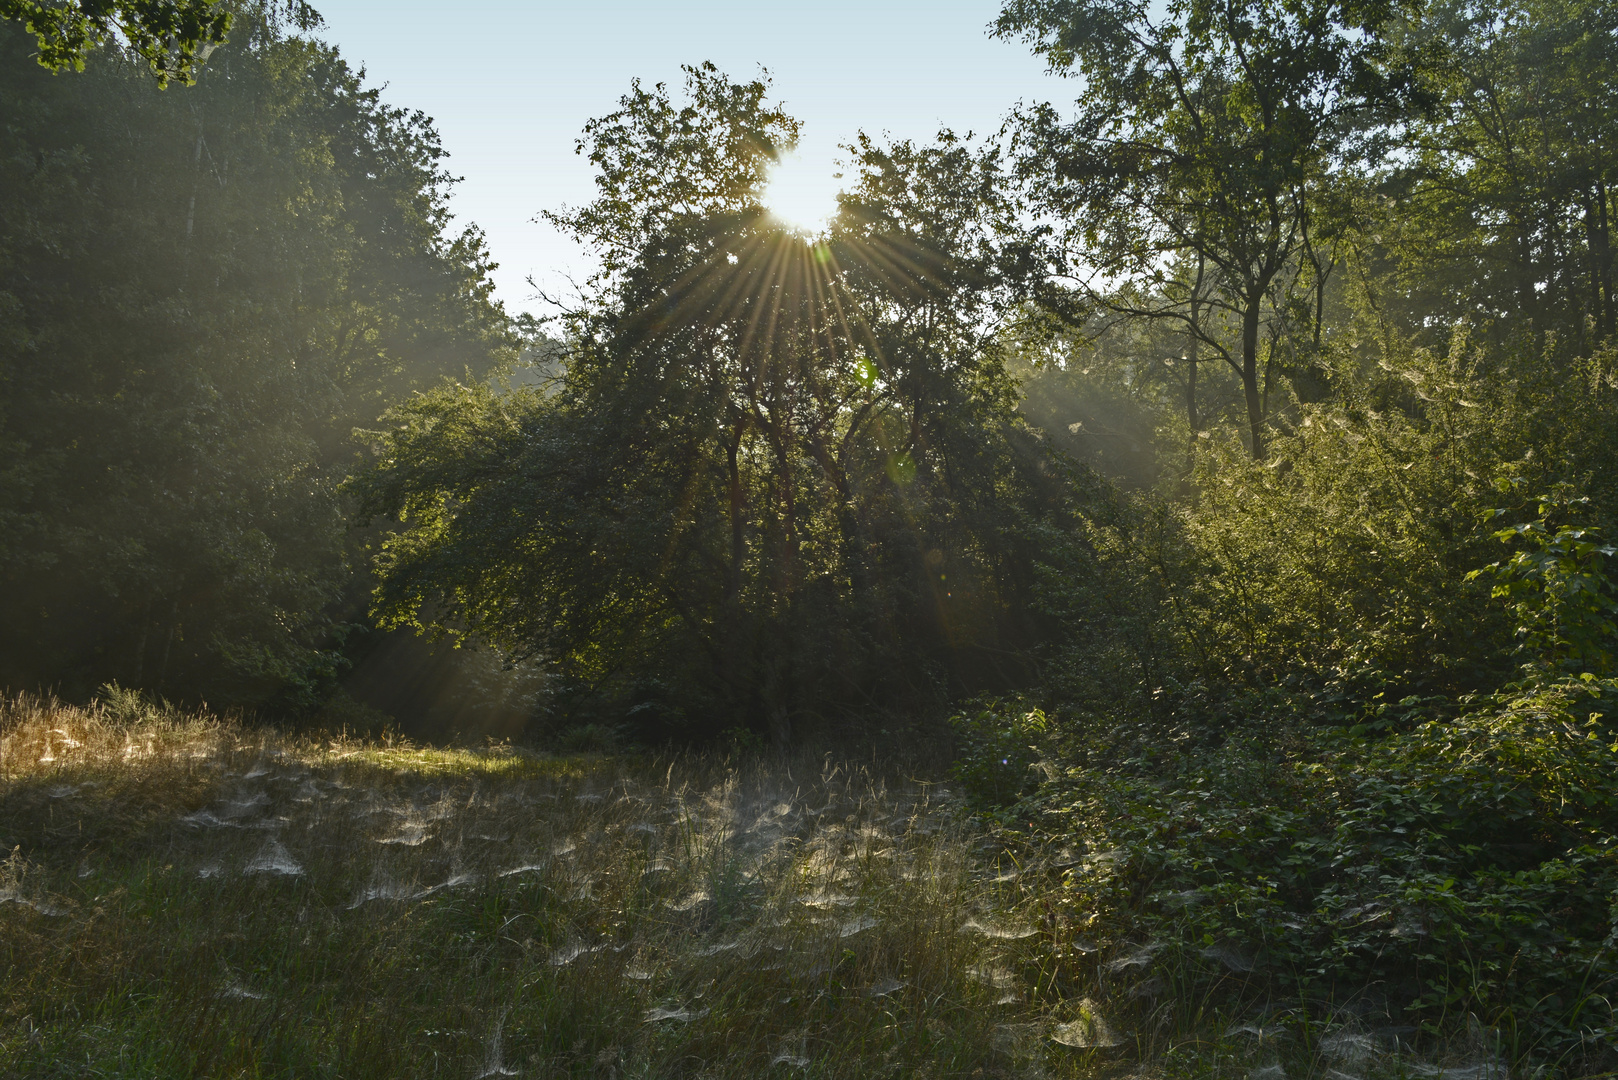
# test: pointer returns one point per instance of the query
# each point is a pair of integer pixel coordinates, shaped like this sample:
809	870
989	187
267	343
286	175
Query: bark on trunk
1599	239
1255	404
1191	391
735	650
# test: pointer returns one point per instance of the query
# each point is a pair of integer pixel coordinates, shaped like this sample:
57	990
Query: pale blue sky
511	84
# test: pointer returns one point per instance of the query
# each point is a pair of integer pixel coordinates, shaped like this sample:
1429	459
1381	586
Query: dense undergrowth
1336	742
1456	875
186	896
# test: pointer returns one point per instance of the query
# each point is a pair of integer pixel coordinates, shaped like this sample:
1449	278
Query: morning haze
1119	582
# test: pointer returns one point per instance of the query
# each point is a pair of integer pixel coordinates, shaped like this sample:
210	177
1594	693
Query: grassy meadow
189	896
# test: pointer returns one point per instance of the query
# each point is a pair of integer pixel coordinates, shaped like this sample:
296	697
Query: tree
201	298
781	477
174	37
1195	182
1502	213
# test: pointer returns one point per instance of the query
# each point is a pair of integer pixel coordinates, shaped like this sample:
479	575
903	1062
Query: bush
998	745
1338	567
1560	595
1463	868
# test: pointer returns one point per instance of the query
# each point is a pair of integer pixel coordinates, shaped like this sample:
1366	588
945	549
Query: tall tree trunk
1609	322
1191	391
738	524
1599	239
848	529
1250	388
1193	357
735	649
1527	299
780	439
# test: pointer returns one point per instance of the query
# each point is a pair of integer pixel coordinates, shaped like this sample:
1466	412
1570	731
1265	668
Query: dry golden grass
187	896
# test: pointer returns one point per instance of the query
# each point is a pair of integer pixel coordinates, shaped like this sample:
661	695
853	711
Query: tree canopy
966	441
778	475
173	37
200	299
1207	160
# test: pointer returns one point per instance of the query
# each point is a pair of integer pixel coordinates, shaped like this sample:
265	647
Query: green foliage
1465	867
201	296
780	479
173	37
127	707
1203	179
1251	688
1339	568
1557	589
1505	203
997	745
1445	852
1110	585
739	740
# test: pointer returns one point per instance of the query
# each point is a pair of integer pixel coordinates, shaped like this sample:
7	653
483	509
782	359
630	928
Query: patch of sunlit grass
186	895
498	761
226	899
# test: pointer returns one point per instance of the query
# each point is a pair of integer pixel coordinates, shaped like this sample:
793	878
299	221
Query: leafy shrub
1338	567
1561	597
125	707
1463	868
998	745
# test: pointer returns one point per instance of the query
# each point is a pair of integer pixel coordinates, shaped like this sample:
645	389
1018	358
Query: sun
801	194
